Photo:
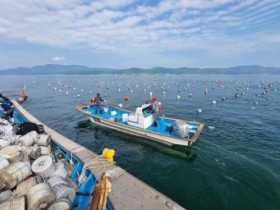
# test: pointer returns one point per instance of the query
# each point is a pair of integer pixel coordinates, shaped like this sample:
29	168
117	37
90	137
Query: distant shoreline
52	69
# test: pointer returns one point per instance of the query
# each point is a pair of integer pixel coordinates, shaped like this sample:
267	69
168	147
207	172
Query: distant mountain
83	70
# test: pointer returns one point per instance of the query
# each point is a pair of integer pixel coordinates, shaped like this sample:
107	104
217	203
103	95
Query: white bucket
40	196
125	117
17	203
113	113
106	109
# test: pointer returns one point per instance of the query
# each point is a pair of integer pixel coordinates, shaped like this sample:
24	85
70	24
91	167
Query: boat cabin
142	118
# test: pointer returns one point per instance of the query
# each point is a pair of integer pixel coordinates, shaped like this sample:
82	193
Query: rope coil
43	166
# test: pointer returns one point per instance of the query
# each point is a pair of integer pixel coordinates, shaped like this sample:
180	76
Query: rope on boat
114	173
98	163
101	192
126	107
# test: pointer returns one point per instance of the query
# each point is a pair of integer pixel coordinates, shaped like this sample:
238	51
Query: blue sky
135	33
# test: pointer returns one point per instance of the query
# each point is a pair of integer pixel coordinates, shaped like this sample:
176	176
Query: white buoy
214	102
199	110
164	92
190	94
178	97
151	93
78	96
120	105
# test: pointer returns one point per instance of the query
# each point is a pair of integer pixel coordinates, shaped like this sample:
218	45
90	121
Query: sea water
235	163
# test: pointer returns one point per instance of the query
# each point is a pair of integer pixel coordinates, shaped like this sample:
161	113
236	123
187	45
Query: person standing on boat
7	106
97	102
155	109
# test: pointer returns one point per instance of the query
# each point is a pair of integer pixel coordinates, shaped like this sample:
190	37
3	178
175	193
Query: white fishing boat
168	131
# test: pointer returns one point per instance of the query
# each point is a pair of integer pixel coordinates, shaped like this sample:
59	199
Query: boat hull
152	135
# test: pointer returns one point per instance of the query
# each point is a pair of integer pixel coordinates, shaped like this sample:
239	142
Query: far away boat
169	131
22	95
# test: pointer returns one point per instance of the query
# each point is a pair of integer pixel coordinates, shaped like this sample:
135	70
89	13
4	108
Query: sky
140	33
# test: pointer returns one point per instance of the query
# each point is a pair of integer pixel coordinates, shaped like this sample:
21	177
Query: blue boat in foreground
169	131
99	184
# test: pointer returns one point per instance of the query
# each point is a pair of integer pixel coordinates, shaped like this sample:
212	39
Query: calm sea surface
236	165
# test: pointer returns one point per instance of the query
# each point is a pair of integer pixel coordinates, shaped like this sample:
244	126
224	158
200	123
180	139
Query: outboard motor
181	128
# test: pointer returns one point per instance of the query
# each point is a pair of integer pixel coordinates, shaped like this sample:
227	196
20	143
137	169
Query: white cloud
58	58
126	27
